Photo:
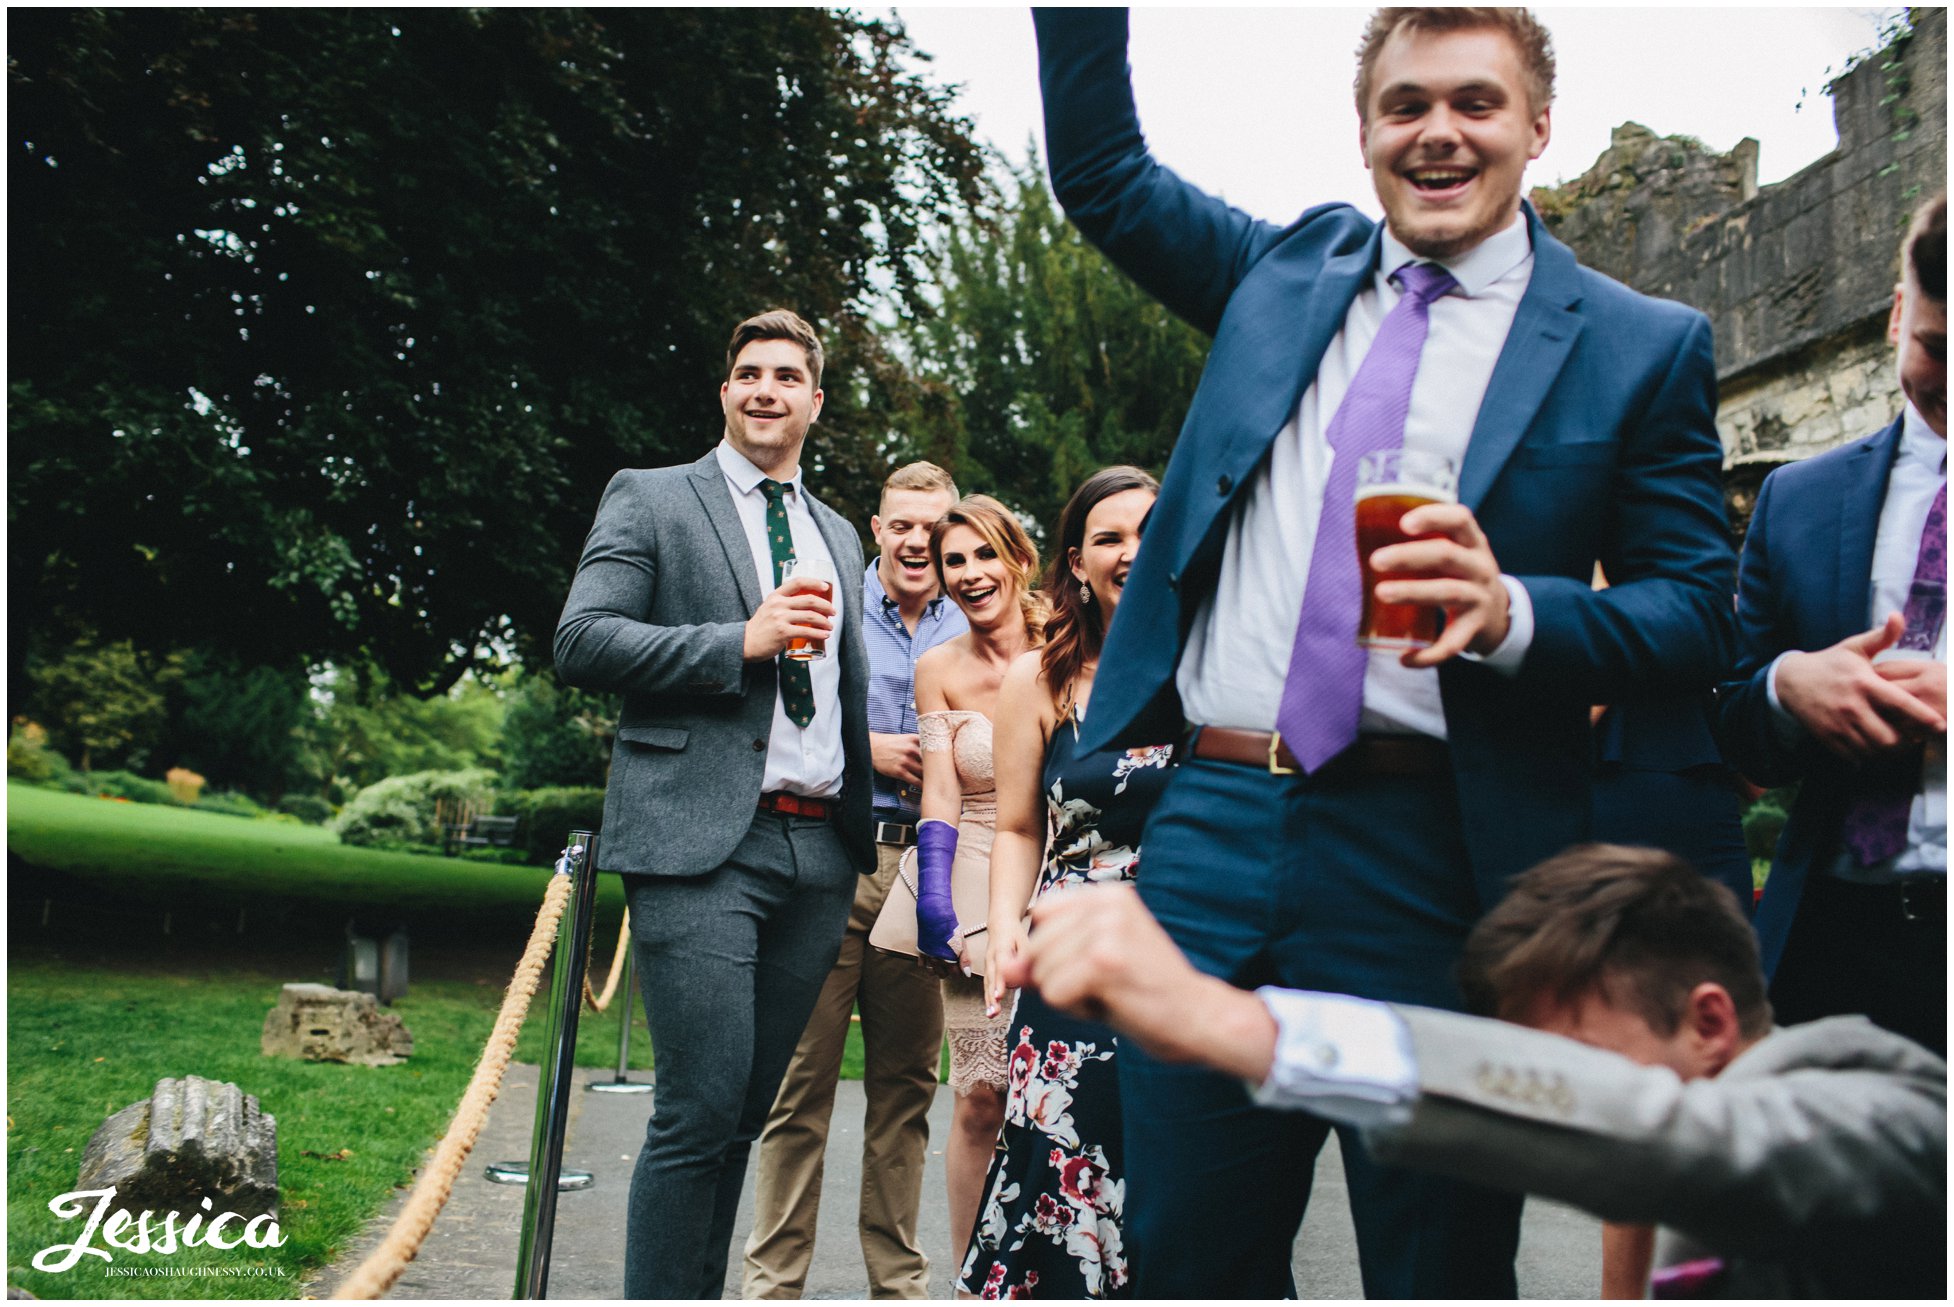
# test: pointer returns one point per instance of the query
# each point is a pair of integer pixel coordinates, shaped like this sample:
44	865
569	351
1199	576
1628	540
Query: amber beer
1390	484
800	647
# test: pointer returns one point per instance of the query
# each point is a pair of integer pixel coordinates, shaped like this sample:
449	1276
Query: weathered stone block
191	1139
321	1024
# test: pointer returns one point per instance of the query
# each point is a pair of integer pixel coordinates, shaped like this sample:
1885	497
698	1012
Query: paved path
472	1250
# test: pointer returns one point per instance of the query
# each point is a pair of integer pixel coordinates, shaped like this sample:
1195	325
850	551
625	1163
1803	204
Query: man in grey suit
739	797
1802	1162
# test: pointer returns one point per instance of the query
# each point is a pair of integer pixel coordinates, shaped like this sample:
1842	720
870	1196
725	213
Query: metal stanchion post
579	862
620	1084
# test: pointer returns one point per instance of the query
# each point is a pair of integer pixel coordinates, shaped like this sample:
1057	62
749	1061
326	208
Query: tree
329	325
363	729
238	726
102	704
555	735
1043	362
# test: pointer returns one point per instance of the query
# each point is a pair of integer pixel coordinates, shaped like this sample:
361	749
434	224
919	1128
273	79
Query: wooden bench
480	832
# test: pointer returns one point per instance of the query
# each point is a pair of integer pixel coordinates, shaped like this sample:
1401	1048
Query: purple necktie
1323	696
1876	821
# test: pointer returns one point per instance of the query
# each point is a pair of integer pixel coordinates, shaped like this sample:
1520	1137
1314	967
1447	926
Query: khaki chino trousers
902	1039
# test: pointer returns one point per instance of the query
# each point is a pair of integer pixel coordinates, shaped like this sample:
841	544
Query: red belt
797	805
1371	755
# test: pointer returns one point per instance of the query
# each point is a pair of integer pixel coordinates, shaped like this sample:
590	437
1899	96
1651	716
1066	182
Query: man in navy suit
1343	819
1854	915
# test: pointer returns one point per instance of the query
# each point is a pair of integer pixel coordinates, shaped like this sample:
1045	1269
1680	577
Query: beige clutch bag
895	926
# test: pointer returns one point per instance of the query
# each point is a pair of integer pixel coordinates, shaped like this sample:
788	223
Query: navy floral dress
1056	1191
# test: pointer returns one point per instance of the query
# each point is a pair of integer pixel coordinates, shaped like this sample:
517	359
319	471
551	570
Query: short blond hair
1534	42
920	475
777	324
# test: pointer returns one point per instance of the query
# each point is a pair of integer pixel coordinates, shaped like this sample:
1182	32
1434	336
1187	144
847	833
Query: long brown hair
1077	630
1000	529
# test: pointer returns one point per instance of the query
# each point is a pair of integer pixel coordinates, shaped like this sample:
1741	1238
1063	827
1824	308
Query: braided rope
377	1274
599	1002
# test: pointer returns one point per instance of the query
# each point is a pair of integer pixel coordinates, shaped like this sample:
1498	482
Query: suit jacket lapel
710	484
1868	468
1543	334
836	533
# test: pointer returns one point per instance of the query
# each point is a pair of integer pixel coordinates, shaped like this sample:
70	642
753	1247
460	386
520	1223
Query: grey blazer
657	613
1815	1165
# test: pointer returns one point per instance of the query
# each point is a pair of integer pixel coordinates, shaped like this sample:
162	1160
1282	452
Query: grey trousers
730	964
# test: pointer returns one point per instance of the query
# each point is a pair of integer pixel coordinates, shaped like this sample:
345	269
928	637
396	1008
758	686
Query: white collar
745	477
1476	269
1919	444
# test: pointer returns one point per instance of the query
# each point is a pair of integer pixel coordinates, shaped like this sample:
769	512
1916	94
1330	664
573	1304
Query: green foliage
30	759
308	808
363	729
236	725
401	809
128	785
549	815
338	320
554	735
231	804
101	703
1044	363
1764	821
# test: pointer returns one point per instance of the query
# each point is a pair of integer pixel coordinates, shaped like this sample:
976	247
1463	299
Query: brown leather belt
1371	755
797	805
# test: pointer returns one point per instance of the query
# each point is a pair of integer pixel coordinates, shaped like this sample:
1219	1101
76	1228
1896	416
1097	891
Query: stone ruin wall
1797	277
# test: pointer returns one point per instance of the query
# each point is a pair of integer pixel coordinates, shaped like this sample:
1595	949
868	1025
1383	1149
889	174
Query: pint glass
801	647
1390	483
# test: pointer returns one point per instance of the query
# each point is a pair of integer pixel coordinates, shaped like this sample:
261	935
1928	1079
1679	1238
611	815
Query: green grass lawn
91	1026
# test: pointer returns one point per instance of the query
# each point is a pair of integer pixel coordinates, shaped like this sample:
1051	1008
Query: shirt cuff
1347	1059
1512	651
1787	729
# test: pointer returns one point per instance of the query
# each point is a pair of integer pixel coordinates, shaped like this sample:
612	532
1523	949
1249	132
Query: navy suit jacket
1805	583
1596	440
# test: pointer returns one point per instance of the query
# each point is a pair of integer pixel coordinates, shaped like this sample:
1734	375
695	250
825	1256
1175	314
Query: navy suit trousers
730	964
1356	886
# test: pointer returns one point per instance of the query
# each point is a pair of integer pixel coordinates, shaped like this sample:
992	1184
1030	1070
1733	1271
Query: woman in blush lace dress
987	565
1050	1222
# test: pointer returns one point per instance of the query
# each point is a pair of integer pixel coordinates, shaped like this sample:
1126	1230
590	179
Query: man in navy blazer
1854	915
1338	827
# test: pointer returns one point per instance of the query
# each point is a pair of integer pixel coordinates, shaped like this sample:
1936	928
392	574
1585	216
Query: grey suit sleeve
1748	1164
605	640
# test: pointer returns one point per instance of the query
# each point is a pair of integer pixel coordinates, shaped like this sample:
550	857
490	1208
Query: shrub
185	785
401	809
308	808
30	758
549	815
127	785
231	803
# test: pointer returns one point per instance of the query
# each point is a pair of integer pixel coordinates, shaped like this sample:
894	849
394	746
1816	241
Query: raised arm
604	640
1025	719
1185	247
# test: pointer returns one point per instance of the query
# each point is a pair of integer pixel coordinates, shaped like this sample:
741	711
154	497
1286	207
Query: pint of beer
1390	483
800	647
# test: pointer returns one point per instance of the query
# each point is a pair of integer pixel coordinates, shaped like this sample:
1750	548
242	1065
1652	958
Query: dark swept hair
1529	37
1076	630
777	324
1638	927
1002	531
1925	260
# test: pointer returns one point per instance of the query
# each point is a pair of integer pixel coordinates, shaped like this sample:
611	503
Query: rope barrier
377	1274
599	1002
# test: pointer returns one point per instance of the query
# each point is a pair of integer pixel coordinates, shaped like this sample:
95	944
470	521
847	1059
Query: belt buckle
1276	768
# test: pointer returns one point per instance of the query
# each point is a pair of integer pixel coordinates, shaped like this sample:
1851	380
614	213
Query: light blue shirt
892	655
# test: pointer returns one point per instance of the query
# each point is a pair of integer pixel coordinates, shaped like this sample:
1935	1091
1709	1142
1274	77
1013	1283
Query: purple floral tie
1323	695
1876	821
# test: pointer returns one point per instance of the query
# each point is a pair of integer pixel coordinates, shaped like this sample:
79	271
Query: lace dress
1056	1191
976	1041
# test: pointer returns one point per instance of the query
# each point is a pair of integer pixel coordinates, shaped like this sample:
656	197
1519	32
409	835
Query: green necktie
796	680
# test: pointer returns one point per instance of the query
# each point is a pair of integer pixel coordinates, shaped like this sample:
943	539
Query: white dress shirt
801	760
1919	471
1348	1059
1238	648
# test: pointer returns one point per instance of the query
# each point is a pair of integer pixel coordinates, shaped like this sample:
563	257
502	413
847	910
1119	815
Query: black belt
1369	755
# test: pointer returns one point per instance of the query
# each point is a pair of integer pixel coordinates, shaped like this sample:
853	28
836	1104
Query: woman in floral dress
1049	1226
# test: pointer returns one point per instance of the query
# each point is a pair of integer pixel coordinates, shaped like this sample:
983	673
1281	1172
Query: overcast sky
1254	104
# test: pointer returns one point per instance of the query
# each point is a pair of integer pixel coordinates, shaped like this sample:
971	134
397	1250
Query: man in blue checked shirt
903	615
